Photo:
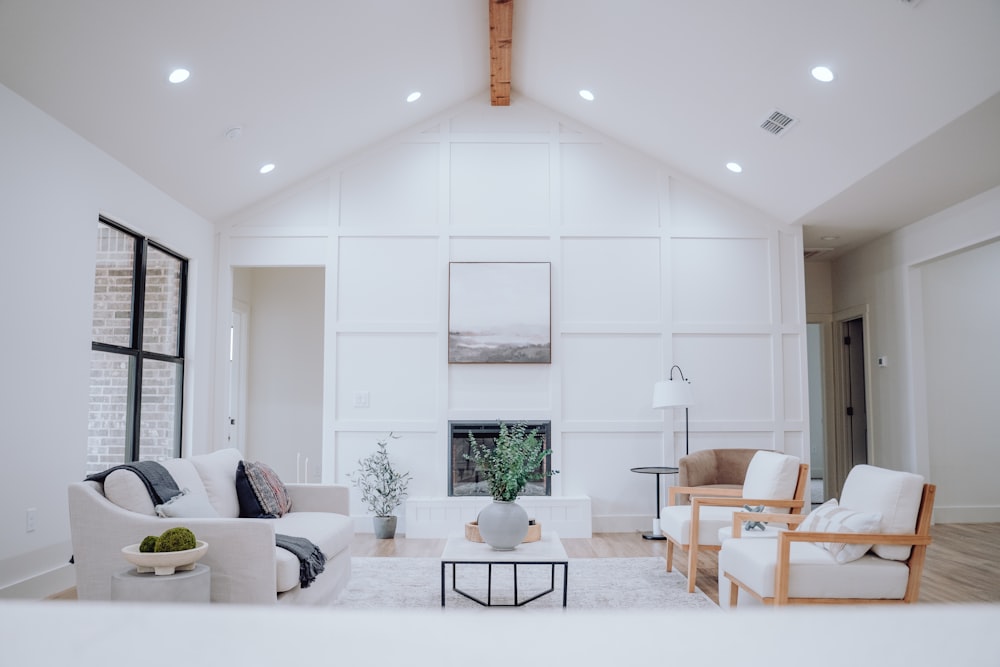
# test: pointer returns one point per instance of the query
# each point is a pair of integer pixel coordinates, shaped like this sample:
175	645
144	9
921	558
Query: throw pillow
260	491
831	518
754	525
186	505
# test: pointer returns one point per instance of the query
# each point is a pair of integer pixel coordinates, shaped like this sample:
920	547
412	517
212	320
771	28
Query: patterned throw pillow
754	525
831	518
261	493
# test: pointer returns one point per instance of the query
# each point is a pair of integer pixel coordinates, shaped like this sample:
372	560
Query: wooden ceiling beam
501	31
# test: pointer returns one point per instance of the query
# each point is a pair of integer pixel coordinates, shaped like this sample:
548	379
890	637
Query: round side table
190	586
655	534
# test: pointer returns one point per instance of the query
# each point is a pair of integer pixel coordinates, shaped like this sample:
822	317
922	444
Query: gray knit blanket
312	561
158	481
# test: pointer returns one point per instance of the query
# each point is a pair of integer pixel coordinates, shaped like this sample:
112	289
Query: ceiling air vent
813	253
777	123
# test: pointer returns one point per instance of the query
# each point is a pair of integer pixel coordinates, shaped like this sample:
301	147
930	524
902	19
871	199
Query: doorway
850	445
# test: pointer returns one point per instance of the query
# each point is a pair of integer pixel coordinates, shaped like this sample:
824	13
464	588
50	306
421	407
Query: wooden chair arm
857	538
740	517
698	491
739	501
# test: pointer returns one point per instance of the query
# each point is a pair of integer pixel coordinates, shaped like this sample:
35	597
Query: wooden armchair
777	481
869	547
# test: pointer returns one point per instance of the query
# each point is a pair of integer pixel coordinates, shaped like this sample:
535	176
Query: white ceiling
910	125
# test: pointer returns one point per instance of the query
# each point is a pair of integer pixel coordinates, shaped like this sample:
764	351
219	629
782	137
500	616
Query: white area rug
594	583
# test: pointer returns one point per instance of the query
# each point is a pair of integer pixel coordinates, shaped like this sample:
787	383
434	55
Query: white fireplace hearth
442	517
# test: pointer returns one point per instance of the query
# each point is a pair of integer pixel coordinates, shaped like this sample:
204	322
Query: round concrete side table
190	586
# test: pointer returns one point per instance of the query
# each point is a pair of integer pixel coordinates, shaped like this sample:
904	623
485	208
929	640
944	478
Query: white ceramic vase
503	524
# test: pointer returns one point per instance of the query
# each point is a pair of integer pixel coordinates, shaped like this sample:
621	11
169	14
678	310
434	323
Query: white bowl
164	562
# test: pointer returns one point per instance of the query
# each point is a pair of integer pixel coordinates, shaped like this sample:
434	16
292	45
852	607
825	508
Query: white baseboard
966	514
41	586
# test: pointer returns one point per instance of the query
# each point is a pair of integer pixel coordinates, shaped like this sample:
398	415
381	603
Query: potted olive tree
515	459
382	488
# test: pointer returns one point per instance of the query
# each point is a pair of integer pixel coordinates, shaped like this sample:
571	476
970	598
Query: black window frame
135	349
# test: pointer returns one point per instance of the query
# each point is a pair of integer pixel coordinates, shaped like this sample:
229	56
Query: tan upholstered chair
869	547
777	481
713	469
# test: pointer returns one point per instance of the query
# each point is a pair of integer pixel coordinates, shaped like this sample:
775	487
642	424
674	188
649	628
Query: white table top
546	550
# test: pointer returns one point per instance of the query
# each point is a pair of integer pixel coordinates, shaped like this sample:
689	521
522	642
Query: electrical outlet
29	520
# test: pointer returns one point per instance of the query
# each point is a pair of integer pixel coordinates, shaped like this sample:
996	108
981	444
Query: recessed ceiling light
734	167
413	97
587	95
267	168
178	75
822	73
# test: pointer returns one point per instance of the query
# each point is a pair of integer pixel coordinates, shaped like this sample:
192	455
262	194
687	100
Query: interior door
856	414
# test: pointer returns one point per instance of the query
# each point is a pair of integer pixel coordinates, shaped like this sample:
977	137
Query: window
137	353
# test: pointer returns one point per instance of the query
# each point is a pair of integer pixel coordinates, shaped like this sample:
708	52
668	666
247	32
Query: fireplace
463	480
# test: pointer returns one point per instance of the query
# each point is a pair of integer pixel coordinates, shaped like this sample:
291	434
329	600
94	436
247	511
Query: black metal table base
489	582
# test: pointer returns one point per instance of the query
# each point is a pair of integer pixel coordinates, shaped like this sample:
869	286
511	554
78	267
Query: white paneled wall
648	270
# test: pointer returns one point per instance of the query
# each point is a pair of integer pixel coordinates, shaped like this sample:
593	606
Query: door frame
838	459
240	349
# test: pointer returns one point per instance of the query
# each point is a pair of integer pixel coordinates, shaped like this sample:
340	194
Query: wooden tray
534	532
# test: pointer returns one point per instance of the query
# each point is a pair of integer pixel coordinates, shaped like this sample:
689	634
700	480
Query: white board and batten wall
649	269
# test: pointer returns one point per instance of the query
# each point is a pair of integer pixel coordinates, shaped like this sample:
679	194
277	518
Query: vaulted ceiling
909	125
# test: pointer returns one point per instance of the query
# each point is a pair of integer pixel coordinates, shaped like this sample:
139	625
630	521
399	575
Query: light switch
361	399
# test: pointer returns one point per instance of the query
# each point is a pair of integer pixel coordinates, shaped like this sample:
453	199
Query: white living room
560	181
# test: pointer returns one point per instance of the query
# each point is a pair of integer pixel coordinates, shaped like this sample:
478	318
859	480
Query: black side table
656	470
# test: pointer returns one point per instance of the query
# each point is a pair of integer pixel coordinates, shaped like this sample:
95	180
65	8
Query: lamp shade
672	394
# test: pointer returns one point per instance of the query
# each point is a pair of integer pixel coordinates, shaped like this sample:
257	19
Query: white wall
934	303
53	186
649	269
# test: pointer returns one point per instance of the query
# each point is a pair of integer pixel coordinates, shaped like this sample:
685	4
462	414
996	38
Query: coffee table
546	551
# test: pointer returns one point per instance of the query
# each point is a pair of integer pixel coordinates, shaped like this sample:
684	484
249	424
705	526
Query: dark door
856	431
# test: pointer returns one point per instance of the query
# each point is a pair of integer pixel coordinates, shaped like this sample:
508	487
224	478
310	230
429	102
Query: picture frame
500	313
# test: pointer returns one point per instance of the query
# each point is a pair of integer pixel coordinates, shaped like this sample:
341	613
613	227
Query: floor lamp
672	393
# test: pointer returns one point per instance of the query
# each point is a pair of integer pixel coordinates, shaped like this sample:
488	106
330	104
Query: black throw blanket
311	559
158	481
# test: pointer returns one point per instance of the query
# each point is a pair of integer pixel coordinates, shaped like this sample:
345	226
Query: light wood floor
963	563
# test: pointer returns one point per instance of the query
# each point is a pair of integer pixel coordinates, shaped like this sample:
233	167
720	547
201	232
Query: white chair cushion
332	533
893	494
831	518
675	521
218	474
814	573
771	476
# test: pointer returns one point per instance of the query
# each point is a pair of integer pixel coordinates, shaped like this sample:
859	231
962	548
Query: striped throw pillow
261	492
831	518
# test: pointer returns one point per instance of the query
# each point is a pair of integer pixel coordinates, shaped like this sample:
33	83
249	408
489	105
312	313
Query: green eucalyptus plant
515	459
382	488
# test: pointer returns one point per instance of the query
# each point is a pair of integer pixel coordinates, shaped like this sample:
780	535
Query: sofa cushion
260	492
218	473
332	533
831	518
125	489
187	505
893	494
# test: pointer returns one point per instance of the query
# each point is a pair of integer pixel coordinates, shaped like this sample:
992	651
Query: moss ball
176	539
148	544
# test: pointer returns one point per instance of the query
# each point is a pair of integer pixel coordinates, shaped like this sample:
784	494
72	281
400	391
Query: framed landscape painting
499	313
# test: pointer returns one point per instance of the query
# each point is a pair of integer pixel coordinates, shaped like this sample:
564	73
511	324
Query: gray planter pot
385	527
503	524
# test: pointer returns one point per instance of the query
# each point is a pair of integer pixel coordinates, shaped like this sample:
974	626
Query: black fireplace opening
463	480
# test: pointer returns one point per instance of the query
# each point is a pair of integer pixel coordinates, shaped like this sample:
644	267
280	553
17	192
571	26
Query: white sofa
246	566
